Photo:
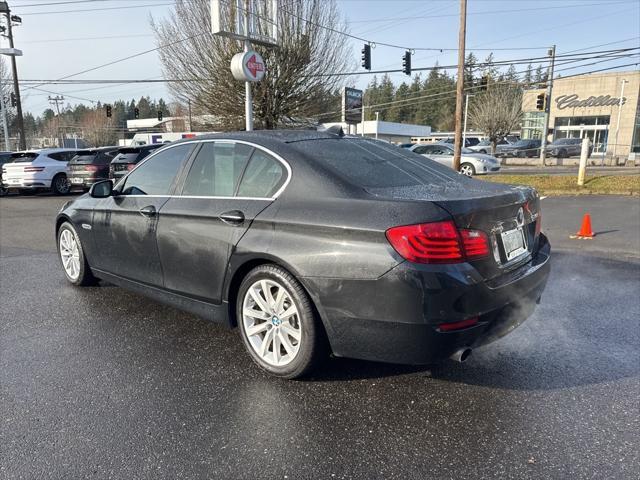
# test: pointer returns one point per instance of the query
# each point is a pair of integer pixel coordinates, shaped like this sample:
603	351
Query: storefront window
595	128
532	125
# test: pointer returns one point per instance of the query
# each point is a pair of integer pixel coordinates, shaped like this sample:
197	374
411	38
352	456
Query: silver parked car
471	163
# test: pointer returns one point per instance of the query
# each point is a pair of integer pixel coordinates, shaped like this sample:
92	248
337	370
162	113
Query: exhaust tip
461	355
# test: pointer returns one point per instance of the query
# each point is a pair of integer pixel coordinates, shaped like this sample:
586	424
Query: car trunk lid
507	214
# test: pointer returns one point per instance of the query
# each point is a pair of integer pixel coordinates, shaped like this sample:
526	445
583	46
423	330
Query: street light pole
547	106
4	8
377	116
466	112
615	141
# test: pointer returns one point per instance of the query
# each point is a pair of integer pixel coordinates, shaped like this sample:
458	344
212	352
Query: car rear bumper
26	183
396	318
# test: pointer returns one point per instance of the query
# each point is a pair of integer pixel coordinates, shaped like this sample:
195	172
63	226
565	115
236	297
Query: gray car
471	163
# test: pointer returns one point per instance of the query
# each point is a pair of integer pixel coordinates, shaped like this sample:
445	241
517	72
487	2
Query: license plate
76	180
513	242
14	181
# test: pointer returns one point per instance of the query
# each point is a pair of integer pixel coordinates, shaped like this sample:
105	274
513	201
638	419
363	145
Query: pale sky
59	44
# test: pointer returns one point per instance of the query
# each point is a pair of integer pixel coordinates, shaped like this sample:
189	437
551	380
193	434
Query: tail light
438	242
33	169
91	168
131	166
462	324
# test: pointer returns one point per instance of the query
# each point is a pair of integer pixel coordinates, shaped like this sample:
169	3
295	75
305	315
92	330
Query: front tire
467	169
71	253
60	185
277	323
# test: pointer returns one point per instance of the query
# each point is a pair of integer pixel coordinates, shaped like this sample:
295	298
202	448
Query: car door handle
148	211
234	217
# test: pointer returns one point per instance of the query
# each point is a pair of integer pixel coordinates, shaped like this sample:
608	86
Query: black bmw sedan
314	242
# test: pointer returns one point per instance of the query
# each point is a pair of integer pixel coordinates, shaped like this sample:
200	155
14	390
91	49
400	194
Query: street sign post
351	105
249	21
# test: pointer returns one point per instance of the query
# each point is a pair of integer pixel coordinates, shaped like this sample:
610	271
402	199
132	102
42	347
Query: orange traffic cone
585	232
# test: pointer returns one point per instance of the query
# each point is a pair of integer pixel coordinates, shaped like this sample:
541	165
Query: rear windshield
98	157
134	154
24	156
371	164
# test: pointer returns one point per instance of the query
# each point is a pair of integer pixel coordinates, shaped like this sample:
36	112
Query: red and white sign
248	66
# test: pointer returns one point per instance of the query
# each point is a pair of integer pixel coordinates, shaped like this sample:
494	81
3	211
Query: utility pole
377	117
547	105
457	147
4	8
57	100
615	141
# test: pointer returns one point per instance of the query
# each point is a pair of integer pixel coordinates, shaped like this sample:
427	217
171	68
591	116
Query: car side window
61	156
156	175
263	176
216	170
420	150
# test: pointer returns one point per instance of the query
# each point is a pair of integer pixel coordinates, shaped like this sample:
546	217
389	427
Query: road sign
351	105
248	66
253	20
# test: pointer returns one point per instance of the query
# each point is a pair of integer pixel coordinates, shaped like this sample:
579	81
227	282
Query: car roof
278	136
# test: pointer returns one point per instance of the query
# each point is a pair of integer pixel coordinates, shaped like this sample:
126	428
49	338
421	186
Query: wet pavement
102	383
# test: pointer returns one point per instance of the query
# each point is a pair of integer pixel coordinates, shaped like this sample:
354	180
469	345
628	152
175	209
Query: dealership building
589	106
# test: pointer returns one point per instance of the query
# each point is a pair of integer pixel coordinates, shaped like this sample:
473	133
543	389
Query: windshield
24	156
84	157
370	164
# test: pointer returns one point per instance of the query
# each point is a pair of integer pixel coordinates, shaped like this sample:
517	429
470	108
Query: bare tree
97	129
497	111
309	46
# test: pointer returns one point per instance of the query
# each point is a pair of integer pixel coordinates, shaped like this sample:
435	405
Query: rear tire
279	329
71	254
60	185
467	169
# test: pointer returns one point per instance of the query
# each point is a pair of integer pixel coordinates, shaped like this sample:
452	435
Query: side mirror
101	189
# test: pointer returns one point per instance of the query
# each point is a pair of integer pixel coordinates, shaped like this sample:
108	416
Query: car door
125	224
442	154
226	186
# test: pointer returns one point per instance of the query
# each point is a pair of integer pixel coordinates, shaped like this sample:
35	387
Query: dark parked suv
90	166
566	147
128	158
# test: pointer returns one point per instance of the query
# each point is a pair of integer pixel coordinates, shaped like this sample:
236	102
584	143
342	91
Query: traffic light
13	99
159	115
484	83
136	113
406	62
108	110
366	56
540	101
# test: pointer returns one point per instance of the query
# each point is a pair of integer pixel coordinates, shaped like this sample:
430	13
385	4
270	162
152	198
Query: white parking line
542	198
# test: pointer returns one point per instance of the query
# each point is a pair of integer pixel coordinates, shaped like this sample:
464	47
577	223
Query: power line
608	55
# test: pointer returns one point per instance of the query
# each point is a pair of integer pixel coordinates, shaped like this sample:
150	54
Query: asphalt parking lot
102	383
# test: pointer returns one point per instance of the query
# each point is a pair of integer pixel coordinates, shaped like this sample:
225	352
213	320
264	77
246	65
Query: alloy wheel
271	322
466	170
70	254
61	185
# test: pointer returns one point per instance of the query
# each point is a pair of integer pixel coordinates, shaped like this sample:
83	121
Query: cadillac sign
573	101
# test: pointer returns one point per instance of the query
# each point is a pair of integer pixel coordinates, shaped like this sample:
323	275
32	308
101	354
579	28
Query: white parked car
34	170
471	163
